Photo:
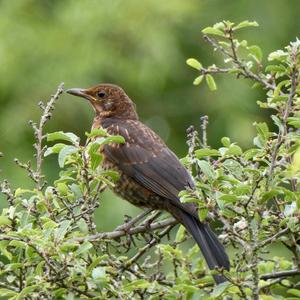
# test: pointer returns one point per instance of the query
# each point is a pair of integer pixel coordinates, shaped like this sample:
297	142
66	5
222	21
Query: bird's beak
79	93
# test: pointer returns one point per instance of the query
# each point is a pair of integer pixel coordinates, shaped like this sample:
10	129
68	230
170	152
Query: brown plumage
150	173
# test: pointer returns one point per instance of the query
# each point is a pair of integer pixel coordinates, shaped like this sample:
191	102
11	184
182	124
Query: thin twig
38	131
281	274
150	244
204	123
243	69
133	221
273	238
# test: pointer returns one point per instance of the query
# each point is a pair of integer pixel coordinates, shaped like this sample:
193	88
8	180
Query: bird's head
108	100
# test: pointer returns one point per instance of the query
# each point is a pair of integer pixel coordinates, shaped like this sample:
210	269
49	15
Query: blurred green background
140	45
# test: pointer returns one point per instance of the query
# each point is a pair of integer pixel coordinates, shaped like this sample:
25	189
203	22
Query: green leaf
113	175
24	218
26	291
220	289
296	161
4	251
96	132
263	133
68	247
279	86
18	244
99	273
214	31
202	213
206	168
251	153
186	288
210	82
7	293
275	68
266	297
83	227
95	262
293	223
285	264
50	225
229	198
278	123
84	248
4	220
70	296
62	188
75	188
225	141
262	104
268	195
194	63
95	156
198	80
294	292
180	234
20	191
54	149
204	152
64	153
290	209
15	266
113	139
62	230
219	25
234	150
294	121
234	167
137	284
66	136
245	24
277	99
278	55
256	52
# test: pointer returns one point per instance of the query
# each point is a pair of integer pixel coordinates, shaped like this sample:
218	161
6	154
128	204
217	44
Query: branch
282	274
131	231
244	70
272	238
38	132
154	241
7	191
203	126
134	220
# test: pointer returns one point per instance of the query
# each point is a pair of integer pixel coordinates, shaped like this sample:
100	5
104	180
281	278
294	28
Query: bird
151	175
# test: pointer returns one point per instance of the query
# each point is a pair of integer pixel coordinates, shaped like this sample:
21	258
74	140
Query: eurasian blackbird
150	173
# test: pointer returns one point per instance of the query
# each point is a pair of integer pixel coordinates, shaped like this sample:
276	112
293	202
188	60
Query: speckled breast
133	192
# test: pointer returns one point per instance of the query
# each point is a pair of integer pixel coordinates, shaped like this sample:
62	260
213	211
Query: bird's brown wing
145	158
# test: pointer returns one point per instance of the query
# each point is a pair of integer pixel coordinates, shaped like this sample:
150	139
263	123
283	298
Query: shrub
50	248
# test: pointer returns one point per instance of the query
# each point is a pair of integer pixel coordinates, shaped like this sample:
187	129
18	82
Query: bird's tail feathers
211	248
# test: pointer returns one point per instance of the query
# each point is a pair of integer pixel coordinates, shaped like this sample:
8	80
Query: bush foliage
49	245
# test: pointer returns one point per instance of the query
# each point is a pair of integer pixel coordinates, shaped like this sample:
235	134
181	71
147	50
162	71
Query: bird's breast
128	189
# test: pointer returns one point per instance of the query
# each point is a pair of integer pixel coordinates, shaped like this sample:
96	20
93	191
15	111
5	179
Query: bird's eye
101	94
